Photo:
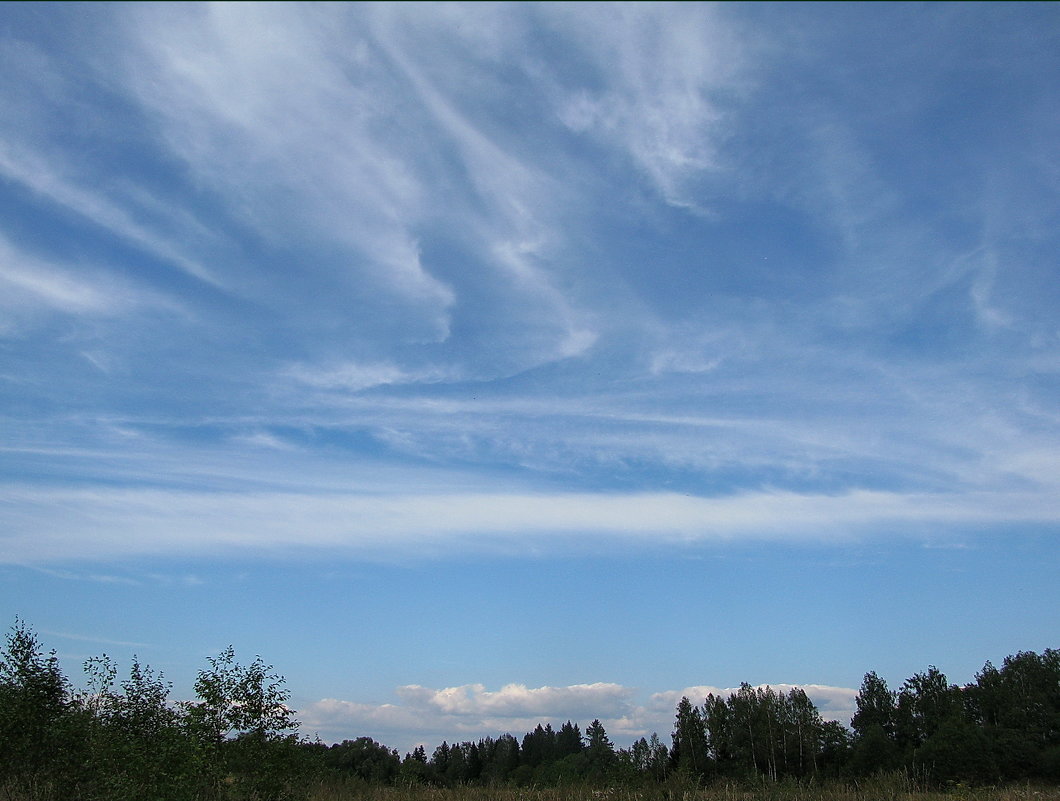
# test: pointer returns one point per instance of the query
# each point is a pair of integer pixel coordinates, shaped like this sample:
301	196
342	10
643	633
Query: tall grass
896	787
893	787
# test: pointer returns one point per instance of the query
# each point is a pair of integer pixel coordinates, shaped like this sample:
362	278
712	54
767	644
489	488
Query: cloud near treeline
471	711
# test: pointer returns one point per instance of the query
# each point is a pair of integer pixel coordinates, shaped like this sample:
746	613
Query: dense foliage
128	741
238	739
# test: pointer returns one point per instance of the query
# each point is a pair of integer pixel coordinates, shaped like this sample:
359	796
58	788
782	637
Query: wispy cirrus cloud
89	638
354	377
49	286
50	121
326	160
421	270
663	72
53	525
39	174
266	107
478	292
35	285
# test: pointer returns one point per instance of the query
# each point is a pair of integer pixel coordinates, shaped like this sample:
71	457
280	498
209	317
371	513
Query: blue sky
479	365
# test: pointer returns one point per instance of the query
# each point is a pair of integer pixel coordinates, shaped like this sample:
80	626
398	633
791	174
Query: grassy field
895	788
870	790
867	791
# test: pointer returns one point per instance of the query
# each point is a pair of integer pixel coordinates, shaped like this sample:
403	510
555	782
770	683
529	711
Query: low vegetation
997	739
890	787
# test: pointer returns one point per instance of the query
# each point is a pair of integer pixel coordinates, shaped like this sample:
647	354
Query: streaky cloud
105	523
37	173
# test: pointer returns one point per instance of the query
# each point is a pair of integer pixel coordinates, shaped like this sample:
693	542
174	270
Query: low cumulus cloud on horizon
470	712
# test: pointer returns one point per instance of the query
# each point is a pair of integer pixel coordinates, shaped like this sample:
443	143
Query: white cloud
40	174
471	711
520	701
661	65
102	640
33	282
682	361
42	525
296	128
834	703
263	439
522	227
354	376
305	124
49	286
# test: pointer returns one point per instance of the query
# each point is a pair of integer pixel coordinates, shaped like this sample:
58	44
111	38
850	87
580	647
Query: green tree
717	724
568	740
500	758
136	744
599	752
1018	707
1030	696
440	761
245	728
637	756
414	769
539	746
957	751
473	760
689	752
648	758
750	737
456	772
759	731
801	733
36	720
658	757
875	706
925	702
874	724
835	748
364	758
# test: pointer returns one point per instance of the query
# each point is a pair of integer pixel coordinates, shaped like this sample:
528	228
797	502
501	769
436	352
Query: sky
486	365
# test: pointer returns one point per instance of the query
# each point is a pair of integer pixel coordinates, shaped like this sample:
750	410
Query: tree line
238	739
